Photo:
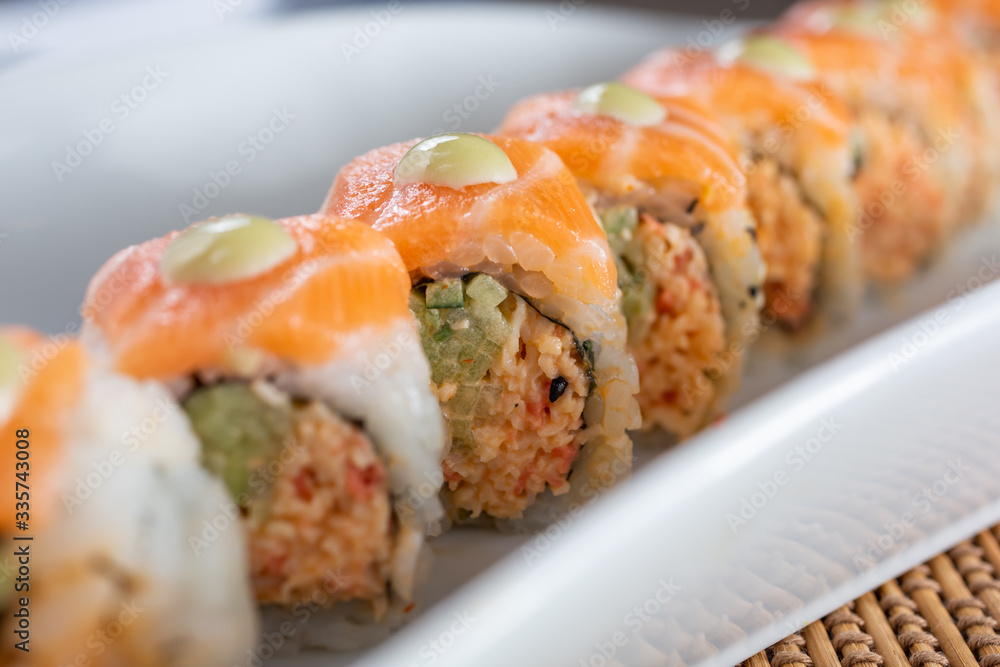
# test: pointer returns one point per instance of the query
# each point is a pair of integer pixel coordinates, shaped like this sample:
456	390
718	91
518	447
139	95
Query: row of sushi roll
264	421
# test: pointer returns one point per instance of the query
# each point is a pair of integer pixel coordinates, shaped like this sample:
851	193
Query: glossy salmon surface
539	221
343	278
617	157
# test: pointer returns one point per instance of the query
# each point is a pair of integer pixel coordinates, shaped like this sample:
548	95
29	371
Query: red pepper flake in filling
362	482
304	483
682	259
666	303
331	513
682	343
523	443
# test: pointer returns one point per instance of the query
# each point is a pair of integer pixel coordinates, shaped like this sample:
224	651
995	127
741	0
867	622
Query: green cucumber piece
486	291
638	292
620	219
461	343
240	433
445	294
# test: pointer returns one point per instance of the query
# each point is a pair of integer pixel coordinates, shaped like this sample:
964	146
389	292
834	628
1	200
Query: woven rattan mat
939	614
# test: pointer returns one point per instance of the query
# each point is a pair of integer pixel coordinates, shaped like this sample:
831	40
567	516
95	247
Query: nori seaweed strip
803	196
585	348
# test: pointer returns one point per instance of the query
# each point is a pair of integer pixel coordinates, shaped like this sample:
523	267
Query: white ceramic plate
85	172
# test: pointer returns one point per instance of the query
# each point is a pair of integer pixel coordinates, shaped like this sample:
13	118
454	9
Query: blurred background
30	27
124	119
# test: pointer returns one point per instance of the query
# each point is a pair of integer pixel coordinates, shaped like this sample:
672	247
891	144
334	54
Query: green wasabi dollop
771	54
228	249
455	161
622	102
10	360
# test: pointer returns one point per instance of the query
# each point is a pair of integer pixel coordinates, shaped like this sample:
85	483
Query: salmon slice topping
341	279
539	221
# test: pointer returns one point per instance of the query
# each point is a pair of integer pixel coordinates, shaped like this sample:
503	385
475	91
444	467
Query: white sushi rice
115	578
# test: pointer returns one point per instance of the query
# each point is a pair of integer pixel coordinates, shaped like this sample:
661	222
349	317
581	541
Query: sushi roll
513	284
664	179
290	346
797	151
935	38
968	32
976	21
110	490
913	99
